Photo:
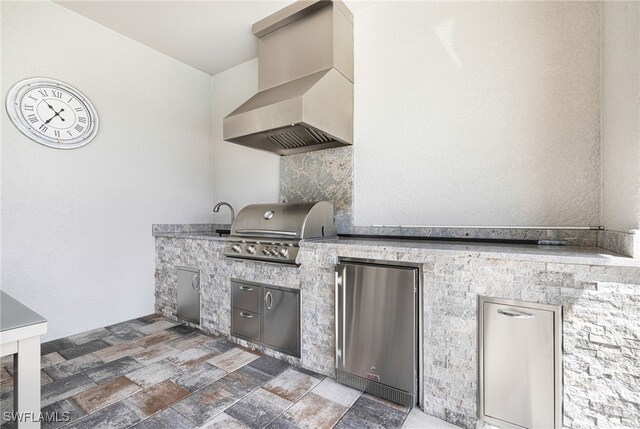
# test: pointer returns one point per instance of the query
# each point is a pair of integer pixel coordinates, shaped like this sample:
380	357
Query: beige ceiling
210	35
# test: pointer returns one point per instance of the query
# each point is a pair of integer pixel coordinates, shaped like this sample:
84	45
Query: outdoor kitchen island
599	292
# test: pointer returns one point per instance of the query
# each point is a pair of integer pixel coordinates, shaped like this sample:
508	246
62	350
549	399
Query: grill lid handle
266	231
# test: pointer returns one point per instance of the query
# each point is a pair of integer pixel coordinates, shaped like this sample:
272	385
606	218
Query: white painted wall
76	242
482	113
621	115
241	175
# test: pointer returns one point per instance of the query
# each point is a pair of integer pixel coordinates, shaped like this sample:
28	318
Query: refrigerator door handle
340	315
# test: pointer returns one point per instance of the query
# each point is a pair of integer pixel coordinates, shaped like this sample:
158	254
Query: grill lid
291	221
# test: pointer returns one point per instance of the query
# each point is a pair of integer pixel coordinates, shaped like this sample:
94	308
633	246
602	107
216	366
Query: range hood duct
305	67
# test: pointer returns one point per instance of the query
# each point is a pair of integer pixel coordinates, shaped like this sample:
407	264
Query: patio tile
89	336
160	325
56	345
243	381
154	373
116	352
105	394
157	397
166	419
233	359
66	411
315	412
269	365
205	404
224	420
73	366
50	359
113	369
199	376
336	392
115	416
259	408
291	384
83	349
125	327
373	414
192	357
154	353
61	389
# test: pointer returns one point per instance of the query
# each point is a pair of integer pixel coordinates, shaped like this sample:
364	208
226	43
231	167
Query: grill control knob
283	252
236	248
250	249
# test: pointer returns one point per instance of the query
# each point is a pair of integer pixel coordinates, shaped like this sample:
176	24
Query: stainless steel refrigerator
376	329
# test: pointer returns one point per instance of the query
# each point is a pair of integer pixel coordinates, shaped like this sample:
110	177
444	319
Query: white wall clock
52	113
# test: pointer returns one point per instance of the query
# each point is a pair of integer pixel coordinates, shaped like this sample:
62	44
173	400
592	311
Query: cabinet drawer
245	324
245	296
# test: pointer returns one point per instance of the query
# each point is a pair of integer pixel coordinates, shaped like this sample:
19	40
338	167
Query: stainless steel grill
272	232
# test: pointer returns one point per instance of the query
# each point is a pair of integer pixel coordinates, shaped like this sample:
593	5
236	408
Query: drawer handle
194	283
268	300
247	288
246	315
516	314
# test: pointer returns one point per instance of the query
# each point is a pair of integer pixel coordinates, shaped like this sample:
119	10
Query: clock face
52	113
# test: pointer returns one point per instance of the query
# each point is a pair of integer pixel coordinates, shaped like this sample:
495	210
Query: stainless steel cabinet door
189	294
281	320
377	325
518	364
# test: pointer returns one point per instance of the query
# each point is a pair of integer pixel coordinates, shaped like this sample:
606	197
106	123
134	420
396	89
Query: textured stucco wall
75	245
241	175
621	115
477	113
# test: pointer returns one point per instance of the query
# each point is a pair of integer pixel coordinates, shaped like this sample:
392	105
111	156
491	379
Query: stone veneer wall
323	175
215	273
601	327
601	305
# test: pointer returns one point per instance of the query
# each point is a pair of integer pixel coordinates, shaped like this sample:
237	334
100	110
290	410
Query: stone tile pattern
215	273
323	175
627	244
601	329
263	392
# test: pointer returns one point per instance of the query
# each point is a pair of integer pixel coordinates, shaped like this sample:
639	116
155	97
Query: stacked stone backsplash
324	175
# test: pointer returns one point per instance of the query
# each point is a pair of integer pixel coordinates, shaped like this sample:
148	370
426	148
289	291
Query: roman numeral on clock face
56	94
32	118
79	128
57	133
43	92
82	120
78	109
28	108
43	128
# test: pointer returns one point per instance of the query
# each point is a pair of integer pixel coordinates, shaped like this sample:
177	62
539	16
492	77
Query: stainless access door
281	319
189	294
376	311
520	371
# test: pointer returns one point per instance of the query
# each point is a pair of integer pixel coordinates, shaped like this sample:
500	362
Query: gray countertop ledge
583	255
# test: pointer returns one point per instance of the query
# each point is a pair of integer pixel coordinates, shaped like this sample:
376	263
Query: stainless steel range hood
305	98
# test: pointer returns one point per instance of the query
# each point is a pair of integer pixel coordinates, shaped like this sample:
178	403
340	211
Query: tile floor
154	373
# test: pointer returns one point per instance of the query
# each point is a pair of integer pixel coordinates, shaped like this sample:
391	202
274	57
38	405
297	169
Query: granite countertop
205	235
586	255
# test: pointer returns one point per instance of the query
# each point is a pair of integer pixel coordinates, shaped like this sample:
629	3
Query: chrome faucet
216	209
